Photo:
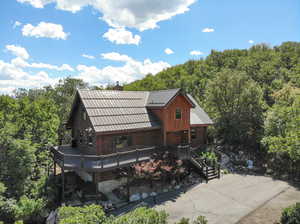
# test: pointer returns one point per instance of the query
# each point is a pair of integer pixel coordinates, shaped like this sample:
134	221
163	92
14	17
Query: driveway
225	200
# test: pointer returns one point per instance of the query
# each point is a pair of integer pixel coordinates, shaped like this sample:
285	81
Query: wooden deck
70	158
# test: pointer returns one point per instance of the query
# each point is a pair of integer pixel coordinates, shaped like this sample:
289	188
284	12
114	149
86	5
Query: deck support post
63	184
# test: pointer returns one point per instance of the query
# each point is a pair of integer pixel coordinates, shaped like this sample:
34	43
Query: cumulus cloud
13	77
130	71
88	56
16	24
114	56
208	30
142	14
169	51
17	51
196	53
251	41
46	30
121	36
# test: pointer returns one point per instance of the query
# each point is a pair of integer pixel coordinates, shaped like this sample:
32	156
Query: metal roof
161	98
198	115
111	110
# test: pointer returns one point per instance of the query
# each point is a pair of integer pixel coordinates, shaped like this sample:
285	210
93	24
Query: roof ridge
163	90
111	90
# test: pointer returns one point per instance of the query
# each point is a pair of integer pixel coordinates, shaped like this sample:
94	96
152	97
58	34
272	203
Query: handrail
115	157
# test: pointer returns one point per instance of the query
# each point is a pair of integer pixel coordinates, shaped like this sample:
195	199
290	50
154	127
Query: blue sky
104	41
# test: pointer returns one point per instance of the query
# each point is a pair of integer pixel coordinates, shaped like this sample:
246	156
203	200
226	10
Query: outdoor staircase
210	171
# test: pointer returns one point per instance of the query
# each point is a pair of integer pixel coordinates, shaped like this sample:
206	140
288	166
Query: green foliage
291	215
92	214
282	133
28	209
143	216
236	104
200	220
183	221
210	157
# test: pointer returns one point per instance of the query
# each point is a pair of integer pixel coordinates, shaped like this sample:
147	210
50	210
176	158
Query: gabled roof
198	115
111	110
161	98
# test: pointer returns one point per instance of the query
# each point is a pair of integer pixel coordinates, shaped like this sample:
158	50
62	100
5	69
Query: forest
253	96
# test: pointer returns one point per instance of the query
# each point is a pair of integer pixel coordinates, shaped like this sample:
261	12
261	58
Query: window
122	141
178	113
193	133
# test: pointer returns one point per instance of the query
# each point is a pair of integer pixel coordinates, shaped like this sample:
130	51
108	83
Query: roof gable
162	98
112	111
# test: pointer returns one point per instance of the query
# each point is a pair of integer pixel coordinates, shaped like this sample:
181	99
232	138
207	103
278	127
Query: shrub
183	221
291	215
92	214
143	216
200	220
28	209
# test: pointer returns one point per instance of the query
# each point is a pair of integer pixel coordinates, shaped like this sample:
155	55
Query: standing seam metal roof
111	110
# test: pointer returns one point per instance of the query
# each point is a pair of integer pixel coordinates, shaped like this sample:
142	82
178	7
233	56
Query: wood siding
105	143
172	127
79	125
200	136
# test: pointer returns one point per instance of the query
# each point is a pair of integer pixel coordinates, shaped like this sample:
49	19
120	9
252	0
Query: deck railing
83	161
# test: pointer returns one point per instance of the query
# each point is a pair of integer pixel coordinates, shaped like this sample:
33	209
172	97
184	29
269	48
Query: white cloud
169	51
43	29
17	23
208	30
196	53
19	62
130	71
18	51
13	77
88	56
251	41
114	56
122	36
139	14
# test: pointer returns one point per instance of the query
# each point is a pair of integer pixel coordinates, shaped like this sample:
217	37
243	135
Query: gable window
122	141
193	133
178	113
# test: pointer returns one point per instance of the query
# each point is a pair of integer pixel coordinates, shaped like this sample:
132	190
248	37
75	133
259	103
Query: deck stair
210	171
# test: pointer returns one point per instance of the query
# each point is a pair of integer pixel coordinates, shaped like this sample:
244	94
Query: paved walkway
225	200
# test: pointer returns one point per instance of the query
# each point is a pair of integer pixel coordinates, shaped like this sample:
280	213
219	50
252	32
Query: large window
122	141
178	113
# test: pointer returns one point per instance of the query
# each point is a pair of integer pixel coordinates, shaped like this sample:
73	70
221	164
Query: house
113	129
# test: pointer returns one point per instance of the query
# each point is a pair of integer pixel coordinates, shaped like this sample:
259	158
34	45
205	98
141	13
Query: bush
143	216
200	220
183	221
28	209
92	214
291	215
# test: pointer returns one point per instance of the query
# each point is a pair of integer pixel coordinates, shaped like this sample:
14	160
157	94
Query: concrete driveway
224	200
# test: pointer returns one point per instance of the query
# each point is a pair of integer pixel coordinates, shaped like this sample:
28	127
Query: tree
282	133
236	104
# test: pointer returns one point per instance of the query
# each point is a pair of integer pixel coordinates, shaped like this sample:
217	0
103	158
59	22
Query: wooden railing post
219	171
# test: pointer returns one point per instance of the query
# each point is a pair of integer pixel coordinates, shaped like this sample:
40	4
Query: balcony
70	158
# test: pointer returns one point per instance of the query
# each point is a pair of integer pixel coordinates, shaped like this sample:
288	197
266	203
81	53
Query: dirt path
270	211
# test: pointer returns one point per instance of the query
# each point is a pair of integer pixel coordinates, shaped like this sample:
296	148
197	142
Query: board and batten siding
105	143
